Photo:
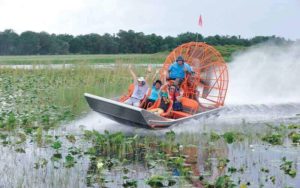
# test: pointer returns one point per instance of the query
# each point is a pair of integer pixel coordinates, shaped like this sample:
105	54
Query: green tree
8	42
29	43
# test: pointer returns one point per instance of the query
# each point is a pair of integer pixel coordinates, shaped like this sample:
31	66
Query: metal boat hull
134	116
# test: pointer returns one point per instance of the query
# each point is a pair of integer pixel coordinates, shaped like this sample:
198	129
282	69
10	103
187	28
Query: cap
141	79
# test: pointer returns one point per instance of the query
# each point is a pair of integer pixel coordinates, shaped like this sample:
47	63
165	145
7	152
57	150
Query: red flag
200	21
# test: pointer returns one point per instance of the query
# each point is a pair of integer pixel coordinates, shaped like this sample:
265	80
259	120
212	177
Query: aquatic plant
21	138
71	138
160	181
69	161
287	167
214	136
129	182
295	137
232	170
39	136
222	162
221	182
56	145
293	126
41	163
20	150
231	137
274	139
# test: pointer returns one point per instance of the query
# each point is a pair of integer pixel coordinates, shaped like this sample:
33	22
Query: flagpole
200	24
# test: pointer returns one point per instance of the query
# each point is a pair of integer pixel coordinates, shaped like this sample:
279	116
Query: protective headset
180	58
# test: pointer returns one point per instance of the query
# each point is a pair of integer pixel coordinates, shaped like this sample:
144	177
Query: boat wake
232	117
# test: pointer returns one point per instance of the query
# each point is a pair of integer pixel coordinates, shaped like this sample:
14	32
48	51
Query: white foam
265	74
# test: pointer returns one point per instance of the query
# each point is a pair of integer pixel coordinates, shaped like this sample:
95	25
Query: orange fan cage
209	81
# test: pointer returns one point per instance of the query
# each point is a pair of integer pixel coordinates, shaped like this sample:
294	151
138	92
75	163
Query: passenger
154	94
191	89
178	69
164	104
175	96
140	89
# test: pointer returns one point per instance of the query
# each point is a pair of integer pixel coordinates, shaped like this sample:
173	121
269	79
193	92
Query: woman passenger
154	94
164	104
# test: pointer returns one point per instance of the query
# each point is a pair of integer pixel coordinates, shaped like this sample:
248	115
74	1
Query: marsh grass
46	97
84	59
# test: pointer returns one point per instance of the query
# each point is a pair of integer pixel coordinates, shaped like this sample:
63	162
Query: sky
247	18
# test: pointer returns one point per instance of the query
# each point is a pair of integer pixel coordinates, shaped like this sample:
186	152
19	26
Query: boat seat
155	105
123	98
190	107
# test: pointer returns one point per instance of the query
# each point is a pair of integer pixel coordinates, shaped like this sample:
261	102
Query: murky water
251	155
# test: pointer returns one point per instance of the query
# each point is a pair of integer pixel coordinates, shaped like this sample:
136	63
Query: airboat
204	91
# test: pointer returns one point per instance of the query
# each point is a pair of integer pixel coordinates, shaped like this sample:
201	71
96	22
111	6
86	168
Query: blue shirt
177	71
154	93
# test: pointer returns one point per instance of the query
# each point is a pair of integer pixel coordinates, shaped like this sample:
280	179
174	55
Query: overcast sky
247	18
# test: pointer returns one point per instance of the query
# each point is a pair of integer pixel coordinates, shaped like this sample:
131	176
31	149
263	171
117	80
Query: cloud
167	17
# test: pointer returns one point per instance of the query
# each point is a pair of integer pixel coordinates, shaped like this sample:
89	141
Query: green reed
49	96
86	59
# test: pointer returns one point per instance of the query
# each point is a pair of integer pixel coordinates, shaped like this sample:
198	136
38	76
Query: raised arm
149	69
154	76
132	74
165	75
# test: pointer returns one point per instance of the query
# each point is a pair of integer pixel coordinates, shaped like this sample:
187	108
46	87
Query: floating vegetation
295	137
41	163
130	183
69	161
231	137
214	136
21	138
160	181
287	167
265	170
222	163
274	139
56	145
293	126
222	182
71	138
273	179
232	170
20	150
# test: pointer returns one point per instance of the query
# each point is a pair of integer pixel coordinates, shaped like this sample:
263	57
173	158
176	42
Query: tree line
43	43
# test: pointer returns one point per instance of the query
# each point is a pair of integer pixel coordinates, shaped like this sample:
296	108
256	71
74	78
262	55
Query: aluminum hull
134	116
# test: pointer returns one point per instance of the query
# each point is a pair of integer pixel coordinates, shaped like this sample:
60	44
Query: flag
200	21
